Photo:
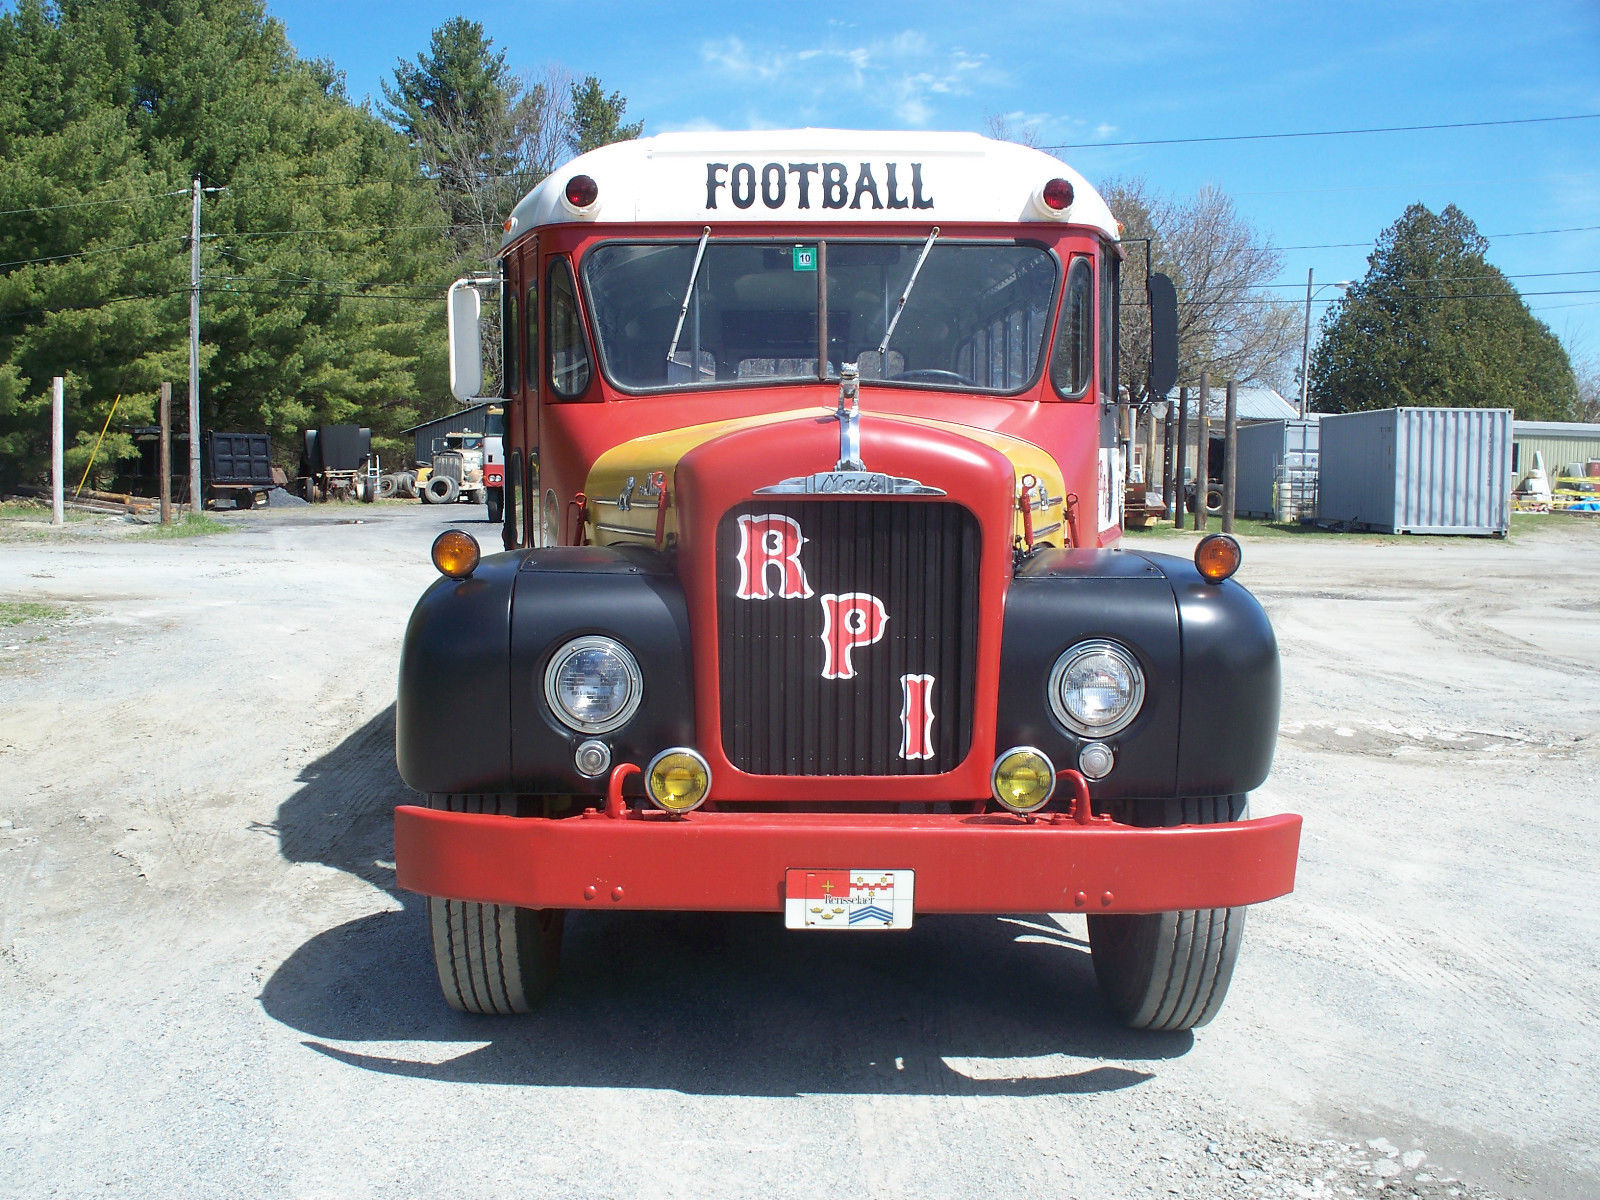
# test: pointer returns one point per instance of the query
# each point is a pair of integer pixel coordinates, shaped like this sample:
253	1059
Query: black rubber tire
442	489
244	499
369	489
1214	501
496	504
1168	971
388	485
492	959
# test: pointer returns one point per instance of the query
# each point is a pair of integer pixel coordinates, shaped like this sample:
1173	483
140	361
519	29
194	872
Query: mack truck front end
813	599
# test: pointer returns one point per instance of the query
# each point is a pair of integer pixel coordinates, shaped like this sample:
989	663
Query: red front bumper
988	863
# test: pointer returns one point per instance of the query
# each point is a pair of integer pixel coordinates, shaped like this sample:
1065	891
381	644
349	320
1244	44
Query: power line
1321	133
108	301
24	262
12	212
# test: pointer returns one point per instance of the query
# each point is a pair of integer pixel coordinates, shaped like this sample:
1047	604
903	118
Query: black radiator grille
780	715
448	463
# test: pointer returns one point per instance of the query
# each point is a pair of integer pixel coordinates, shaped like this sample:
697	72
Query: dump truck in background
337	464
235	467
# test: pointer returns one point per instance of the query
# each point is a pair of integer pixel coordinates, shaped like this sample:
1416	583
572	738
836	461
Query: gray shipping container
1417	470
1274	452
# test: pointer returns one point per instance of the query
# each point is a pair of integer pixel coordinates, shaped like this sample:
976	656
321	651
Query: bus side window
567	350
511	534
1110	295
1073	358
510	327
530	328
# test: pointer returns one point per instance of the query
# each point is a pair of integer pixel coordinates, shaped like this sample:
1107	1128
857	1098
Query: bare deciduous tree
1587	373
484	165
1227	323
1009	127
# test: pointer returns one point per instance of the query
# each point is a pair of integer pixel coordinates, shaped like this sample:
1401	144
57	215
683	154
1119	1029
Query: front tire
492	958
496	506
1168	971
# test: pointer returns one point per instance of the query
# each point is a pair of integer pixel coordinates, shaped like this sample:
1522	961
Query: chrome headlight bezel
1056	691
631	699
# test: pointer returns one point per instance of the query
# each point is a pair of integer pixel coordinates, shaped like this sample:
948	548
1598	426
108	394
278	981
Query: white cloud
902	74
731	55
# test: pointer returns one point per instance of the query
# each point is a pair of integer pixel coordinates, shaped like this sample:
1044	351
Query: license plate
853	900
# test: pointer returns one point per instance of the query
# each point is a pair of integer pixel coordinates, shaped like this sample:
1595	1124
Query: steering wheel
934	375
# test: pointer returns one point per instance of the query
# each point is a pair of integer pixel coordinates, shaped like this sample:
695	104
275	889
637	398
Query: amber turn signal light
1217	557
456	553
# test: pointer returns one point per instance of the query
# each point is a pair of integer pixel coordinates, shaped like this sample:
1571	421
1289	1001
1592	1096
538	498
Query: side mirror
466	345
1163	335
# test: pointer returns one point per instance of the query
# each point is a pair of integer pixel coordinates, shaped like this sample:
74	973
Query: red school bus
813	599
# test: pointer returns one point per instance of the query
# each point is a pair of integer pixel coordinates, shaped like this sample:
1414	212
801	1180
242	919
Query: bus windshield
975	321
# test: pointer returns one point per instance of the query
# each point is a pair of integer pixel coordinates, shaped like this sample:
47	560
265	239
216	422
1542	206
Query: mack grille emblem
843	483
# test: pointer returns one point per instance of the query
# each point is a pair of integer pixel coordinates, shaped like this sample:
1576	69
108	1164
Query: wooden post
58	435
165	459
1175	436
1230	454
1202	450
1150	450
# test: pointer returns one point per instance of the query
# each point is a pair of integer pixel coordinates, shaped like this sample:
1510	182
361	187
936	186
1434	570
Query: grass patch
189	525
1250	528
22	612
36	510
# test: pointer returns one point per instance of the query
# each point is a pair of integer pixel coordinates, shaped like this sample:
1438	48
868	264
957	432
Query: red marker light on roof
1057	194
582	191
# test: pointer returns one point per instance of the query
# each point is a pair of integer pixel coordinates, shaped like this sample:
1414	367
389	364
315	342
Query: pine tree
1433	324
484	135
596	118
323	265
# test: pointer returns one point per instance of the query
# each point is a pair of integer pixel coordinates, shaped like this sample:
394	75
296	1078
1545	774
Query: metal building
1560	443
1417	470
1277	470
429	436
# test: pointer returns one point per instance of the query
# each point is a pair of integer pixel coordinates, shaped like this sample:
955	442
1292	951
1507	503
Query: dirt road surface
211	986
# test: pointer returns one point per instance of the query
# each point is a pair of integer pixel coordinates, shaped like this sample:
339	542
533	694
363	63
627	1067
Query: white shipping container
1417	470
1277	461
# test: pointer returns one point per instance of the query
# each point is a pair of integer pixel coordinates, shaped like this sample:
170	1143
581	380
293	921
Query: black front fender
1208	724
472	715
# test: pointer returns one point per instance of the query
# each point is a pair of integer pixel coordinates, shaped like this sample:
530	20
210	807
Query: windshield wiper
694	273
883	346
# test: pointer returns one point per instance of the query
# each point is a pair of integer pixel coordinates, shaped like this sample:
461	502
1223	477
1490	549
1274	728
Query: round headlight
1096	688
593	684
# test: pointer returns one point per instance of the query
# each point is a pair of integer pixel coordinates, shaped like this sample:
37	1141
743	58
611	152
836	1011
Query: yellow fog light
1217	557
456	553
678	780
1024	779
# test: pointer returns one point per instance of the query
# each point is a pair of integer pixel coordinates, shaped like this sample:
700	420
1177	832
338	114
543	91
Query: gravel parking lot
213	988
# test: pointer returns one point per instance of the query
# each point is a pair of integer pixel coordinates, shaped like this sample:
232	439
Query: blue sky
1089	75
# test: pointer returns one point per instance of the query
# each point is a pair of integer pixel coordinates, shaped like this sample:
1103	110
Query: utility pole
58	435
1305	343
1202	452
196	498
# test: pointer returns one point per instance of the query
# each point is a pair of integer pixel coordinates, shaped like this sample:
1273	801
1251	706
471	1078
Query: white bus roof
803	175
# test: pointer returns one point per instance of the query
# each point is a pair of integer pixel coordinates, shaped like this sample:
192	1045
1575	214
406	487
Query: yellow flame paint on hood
623	510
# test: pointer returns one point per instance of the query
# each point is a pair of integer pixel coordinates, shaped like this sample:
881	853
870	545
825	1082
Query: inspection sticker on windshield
853	900
805	258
